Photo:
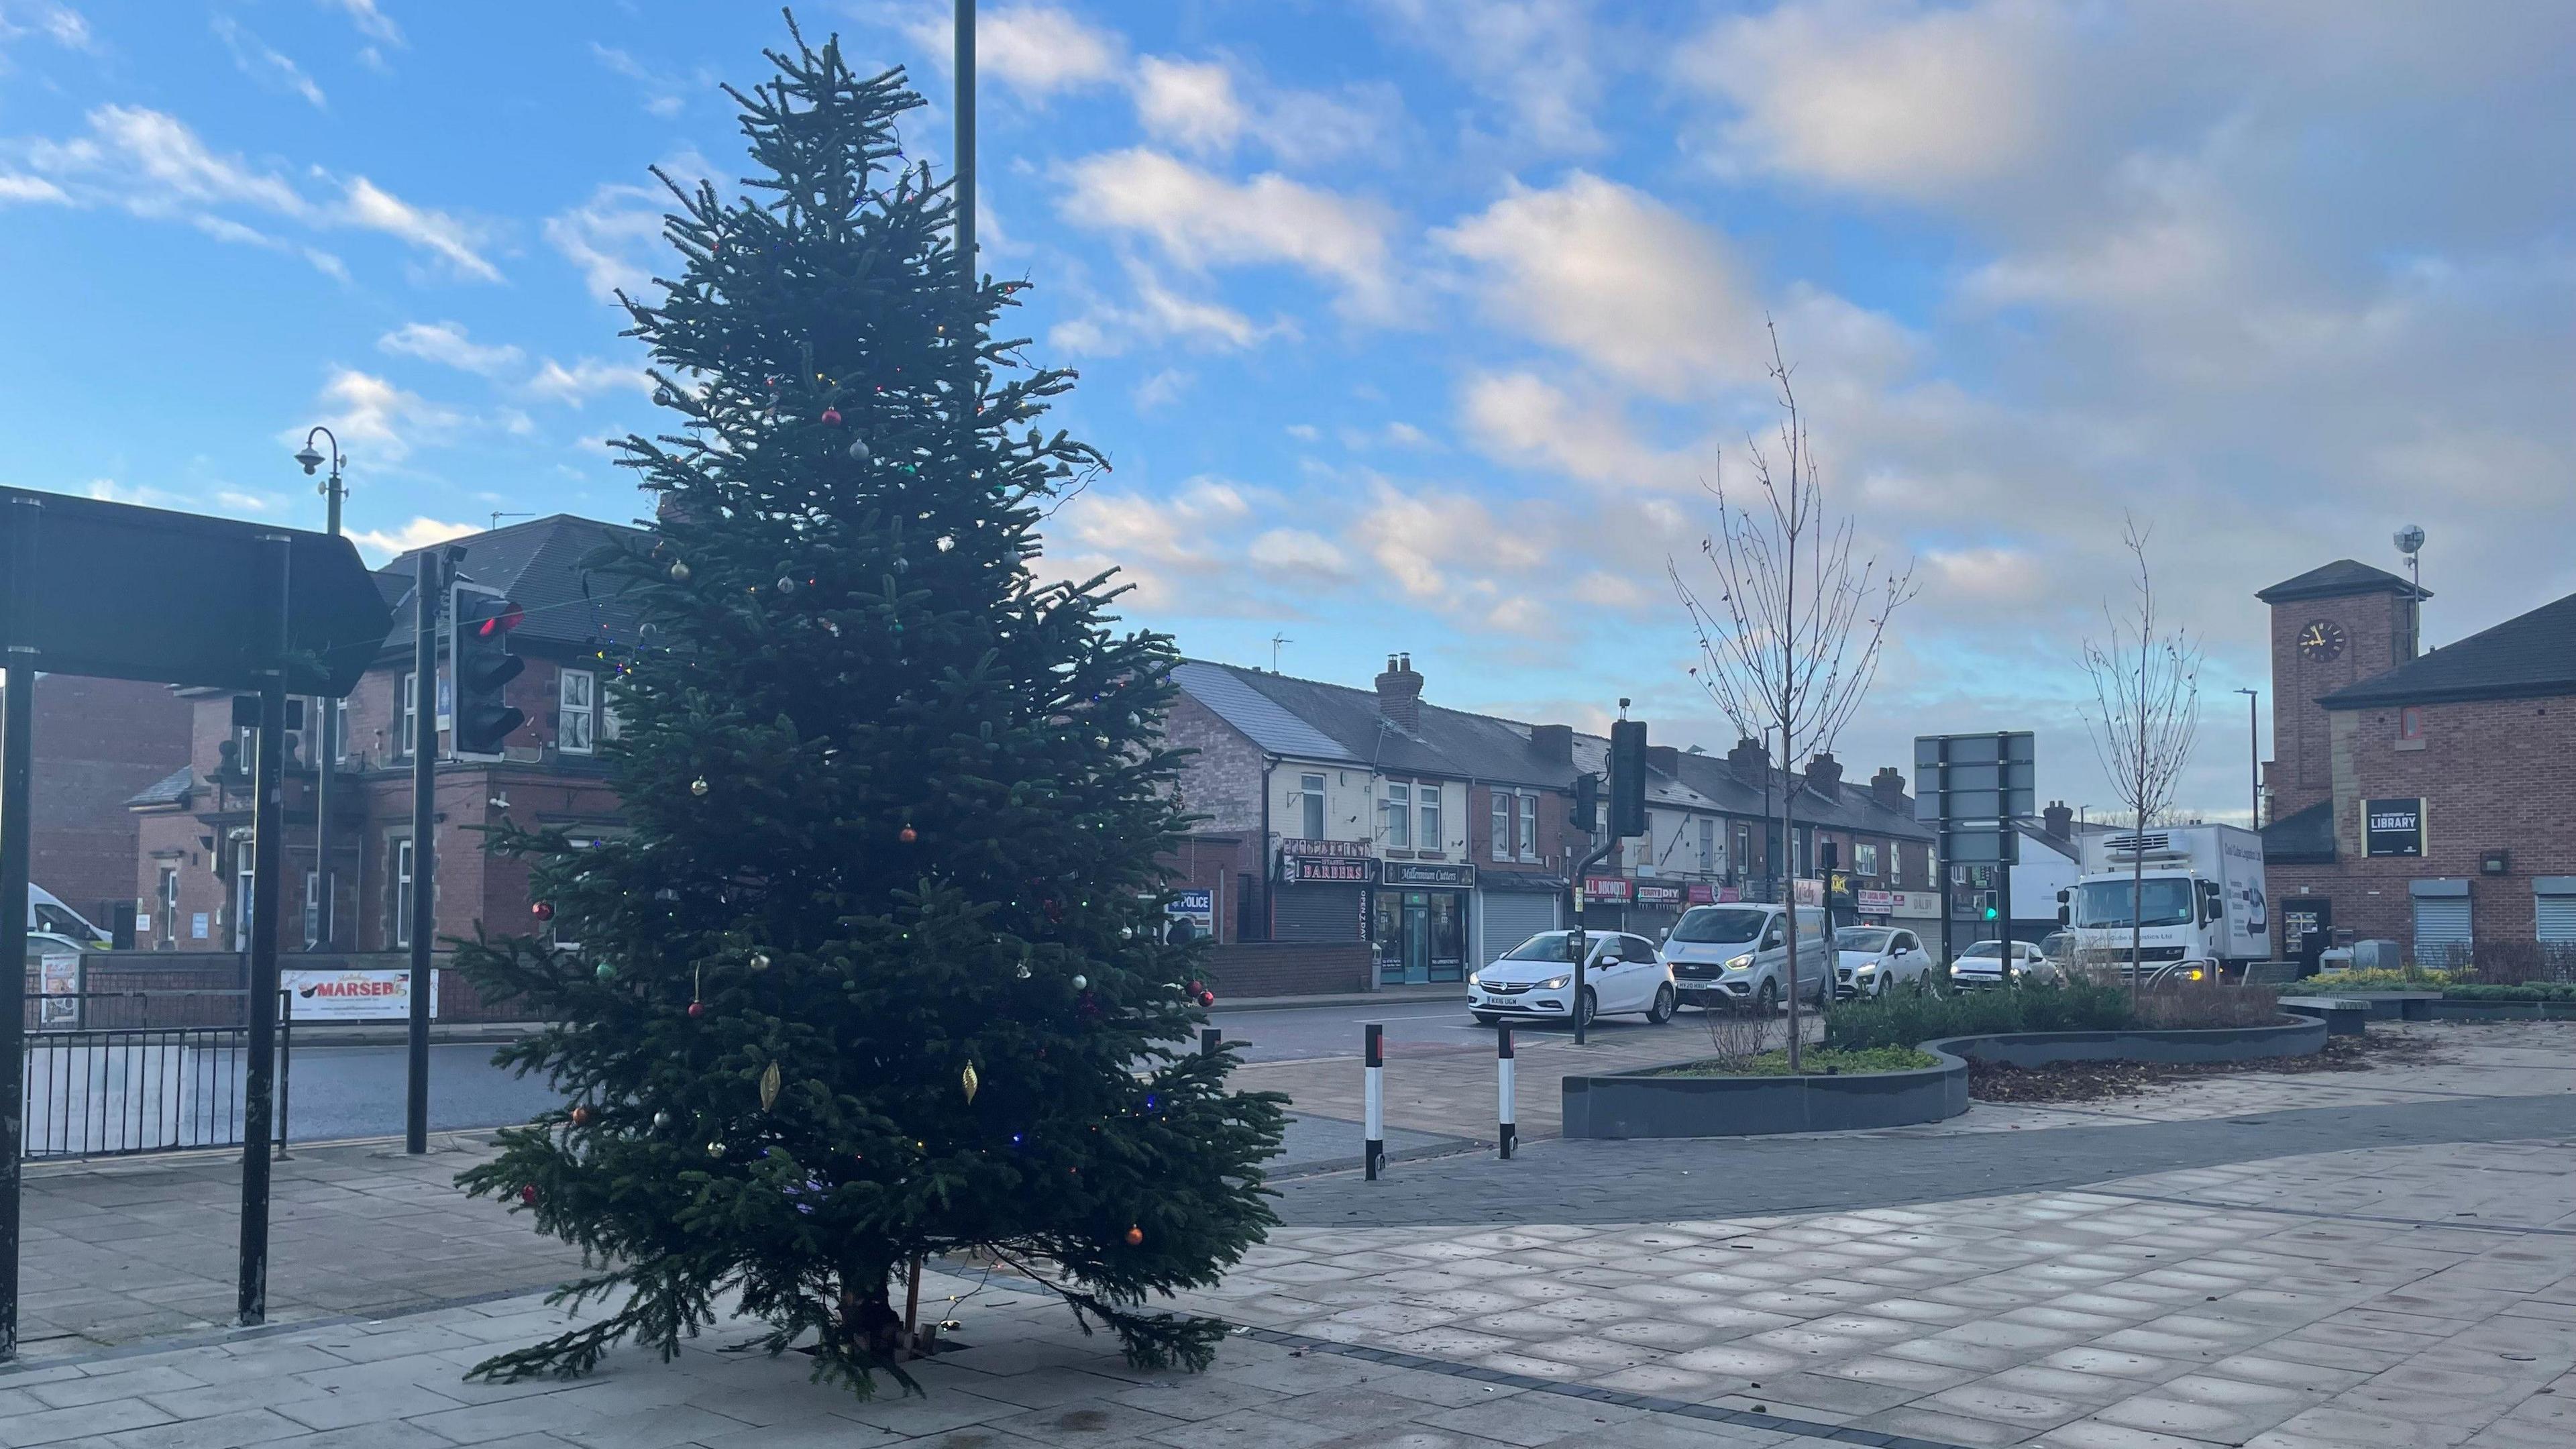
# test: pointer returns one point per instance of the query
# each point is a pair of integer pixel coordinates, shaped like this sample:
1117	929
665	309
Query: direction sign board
177	598
1975	777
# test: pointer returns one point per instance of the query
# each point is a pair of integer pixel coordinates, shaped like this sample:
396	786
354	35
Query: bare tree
2146	693
1790	642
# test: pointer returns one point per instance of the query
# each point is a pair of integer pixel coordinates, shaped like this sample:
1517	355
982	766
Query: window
312	908
1865	857
1502	826
339	730
166	897
402	893
407	704
1707	846
1398	812
1529	826
1804	850
2410	727
578	716
1310	797
1432	839
1743	861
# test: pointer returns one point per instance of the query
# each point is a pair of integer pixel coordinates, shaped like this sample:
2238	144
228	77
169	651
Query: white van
47	914
1738	956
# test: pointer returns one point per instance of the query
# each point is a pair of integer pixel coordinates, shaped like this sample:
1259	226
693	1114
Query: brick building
191	872
2421	798
97	741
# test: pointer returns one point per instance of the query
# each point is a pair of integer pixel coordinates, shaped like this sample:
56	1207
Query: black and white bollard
1503	1086
1373	1143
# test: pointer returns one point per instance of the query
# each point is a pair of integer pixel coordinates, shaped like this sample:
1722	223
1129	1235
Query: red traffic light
506	615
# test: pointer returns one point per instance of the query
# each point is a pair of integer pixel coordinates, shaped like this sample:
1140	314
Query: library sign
2392	827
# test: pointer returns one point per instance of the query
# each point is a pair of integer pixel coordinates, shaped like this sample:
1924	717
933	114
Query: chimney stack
1553	743
1825	776
1888	787
1399	694
1664	758
2058	821
1750	752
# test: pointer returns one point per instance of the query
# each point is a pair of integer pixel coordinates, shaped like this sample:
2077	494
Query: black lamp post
327	753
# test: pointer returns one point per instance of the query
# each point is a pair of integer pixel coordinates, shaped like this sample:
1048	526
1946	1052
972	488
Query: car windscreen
2162	902
59	921
1984	948
1861	939
1719	924
1545	946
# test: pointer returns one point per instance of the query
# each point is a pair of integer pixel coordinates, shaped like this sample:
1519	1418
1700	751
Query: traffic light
1627	777
479	621
1989	904
1586	815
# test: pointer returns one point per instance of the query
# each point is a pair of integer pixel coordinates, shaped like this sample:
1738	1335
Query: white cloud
1294	551
1160	315
1162	390
371	22
446	344
151	164
1202	220
263	63
17	187
370	410
1617	278
1436	546
1191	105
615	237
1530	60
1882	95
1040	51
57	22
663	94
421	532
577	384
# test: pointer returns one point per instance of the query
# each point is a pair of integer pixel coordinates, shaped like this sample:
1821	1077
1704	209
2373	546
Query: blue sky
1414	324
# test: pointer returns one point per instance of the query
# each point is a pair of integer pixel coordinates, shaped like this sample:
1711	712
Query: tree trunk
1789	848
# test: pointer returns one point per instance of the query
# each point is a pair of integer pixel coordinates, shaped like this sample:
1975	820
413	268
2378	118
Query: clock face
2321	640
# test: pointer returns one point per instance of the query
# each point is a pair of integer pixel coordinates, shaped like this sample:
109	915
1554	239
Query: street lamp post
327	754
2410	542
2254	758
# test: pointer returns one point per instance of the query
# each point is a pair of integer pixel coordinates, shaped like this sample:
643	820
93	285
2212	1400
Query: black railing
115	1084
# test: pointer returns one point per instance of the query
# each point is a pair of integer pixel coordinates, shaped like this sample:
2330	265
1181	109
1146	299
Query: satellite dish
2410	539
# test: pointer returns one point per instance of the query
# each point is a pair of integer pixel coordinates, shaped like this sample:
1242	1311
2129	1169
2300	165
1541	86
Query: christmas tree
874	973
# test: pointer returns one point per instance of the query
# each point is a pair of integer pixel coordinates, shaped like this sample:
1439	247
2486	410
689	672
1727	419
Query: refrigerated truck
2197	889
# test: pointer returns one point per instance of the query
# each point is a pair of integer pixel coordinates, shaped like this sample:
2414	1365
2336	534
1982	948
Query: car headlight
1554	983
1740	962
1867	967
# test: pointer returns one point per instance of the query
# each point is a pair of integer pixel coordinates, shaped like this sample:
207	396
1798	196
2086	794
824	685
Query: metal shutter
2556	918
1513	917
2441	930
1319	913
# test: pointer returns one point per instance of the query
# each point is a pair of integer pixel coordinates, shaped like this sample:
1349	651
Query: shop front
1418	921
1323	890
1653	907
1512	906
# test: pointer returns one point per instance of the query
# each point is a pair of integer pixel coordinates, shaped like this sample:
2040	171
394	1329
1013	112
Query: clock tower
2331	626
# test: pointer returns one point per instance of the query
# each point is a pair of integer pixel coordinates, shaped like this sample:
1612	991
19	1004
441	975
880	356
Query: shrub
2516	963
1903	1021
2198	1008
2411	978
2528	991
1816	1063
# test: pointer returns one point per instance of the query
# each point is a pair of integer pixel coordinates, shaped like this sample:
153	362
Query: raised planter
1637	1104
2384	1005
2448	1010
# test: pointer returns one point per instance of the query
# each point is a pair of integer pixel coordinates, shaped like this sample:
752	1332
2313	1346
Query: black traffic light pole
427	590
1627	817
267	902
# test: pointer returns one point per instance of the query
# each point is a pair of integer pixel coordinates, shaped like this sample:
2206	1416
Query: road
357	1091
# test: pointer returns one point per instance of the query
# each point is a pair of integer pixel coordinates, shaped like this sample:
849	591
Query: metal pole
267	854
1579	942
2007	846
1373	1128
1210	1039
966	142
2253	758
326	911
17	780
1503	1086
424	850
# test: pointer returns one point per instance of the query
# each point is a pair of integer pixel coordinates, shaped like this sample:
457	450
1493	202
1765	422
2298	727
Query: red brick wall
2374	642
98	742
2494	775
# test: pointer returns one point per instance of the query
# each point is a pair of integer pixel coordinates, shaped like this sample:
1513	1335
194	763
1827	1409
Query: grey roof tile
2525	657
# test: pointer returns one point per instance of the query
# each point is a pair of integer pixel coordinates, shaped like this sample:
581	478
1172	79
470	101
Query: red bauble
697	1008
831	417
1135	1236
907	835
542	910
528	1193
1207	998
580	1116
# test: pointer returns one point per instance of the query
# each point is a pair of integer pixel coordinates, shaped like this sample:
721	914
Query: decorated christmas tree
874	973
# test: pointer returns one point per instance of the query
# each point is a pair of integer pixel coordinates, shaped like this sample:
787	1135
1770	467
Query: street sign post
90	587
1973	788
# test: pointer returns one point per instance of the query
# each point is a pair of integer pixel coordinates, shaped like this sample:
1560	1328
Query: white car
1984	964
1535	981
1875	960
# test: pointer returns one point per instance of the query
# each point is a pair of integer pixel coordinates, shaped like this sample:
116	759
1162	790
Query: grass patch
1818	1062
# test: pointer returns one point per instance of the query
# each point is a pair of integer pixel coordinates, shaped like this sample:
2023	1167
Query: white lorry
2194	892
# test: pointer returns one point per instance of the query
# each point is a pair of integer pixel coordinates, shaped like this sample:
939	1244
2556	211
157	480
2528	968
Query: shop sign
1917	903
1877	903
354	995
1810	892
1729	894
59	972
1316	849
2393	827
1426	873
1658	895
1607	889
1838	885
1297	869
1703	895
